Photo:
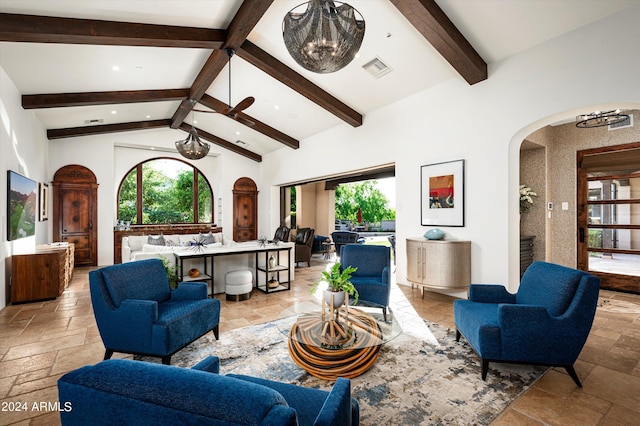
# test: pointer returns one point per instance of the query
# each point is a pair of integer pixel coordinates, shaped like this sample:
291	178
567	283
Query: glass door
609	215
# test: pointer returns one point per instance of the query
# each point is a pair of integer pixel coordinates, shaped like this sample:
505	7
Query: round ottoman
238	285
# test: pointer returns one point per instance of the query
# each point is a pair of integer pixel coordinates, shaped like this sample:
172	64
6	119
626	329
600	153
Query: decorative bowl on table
434	234
194	272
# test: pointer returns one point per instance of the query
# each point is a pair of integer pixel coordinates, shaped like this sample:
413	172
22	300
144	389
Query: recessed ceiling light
276	106
237	132
148	116
114	112
115	68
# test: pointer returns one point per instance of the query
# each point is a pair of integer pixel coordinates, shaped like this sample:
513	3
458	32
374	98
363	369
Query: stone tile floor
41	341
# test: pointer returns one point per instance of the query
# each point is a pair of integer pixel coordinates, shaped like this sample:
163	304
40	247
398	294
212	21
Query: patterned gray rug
422	378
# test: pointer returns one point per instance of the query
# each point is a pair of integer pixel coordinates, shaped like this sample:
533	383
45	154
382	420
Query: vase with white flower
526	198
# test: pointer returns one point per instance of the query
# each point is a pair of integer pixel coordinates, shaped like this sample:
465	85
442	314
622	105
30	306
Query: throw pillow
156	241
207	238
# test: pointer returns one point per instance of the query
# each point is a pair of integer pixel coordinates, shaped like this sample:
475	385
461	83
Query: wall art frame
43	211
22	205
442	194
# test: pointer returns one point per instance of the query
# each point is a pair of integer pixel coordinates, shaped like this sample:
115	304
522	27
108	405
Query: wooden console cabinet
438	264
43	274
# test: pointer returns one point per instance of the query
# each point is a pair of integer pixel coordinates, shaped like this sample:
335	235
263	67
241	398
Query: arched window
165	190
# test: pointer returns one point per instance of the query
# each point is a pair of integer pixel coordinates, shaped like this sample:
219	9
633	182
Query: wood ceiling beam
223	143
434	25
258	126
276	69
60	100
243	22
71	132
46	29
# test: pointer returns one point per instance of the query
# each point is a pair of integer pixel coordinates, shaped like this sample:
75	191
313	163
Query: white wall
483	124
111	156
23	149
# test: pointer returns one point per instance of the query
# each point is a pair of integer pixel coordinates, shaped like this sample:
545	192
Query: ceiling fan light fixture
325	37
192	147
601	118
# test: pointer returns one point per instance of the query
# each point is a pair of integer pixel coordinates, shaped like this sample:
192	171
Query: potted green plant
172	273
338	282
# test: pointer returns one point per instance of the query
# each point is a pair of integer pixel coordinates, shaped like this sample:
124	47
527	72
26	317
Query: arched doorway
75	212
245	210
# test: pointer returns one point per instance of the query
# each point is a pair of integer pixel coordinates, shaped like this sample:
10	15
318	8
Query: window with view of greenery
163	190
366	196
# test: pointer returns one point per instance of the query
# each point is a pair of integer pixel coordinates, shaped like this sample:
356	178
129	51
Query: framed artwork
22	195
44	201
442	194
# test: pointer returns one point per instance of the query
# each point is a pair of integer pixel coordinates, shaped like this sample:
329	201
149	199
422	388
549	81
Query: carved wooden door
75	212
245	210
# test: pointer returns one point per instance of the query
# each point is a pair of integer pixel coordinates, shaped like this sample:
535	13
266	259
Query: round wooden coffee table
344	346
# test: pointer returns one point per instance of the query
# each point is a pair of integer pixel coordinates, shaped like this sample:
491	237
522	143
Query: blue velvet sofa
373	277
127	392
137	312
546	322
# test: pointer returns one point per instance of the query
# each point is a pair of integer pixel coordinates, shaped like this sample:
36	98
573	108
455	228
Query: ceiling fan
232	112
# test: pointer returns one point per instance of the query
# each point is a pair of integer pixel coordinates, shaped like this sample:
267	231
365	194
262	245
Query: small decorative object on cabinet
434	234
526	252
438	264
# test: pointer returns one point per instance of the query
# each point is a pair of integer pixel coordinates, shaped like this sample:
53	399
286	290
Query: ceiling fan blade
244	104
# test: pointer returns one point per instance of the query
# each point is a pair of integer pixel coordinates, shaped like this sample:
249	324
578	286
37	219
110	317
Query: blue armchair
373	277
545	323
137	312
127	392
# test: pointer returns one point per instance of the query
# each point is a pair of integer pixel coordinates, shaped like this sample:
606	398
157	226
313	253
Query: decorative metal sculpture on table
262	241
198	244
325	36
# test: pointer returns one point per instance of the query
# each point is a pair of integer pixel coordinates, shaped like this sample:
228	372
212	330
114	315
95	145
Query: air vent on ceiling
376	67
94	121
623	124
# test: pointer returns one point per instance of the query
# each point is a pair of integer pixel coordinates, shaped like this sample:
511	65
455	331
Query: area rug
618	306
423	377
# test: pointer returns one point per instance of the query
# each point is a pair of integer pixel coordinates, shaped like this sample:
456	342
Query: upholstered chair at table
137	312
126	392
342	238
282	234
372	279
304	244
546	322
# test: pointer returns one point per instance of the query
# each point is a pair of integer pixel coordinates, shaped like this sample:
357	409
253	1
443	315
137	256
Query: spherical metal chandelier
192	148
323	36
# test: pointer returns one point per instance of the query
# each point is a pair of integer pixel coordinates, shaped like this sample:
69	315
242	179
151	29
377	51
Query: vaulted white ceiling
496	29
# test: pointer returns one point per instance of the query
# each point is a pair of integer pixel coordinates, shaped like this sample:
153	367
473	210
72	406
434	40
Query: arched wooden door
245	210
75	212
